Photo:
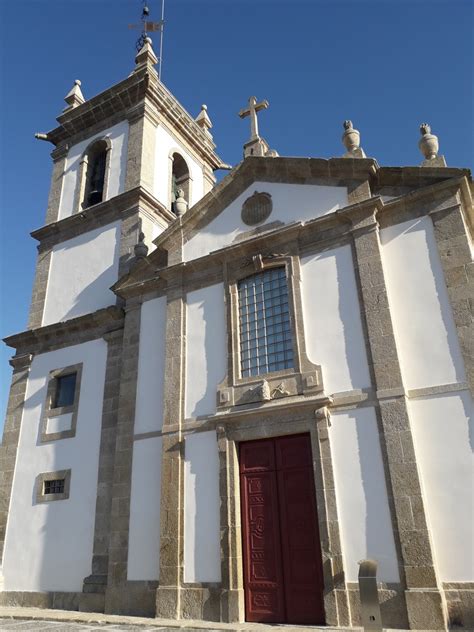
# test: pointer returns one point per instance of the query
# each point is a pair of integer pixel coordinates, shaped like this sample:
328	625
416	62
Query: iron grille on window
65	390
264	323
55	486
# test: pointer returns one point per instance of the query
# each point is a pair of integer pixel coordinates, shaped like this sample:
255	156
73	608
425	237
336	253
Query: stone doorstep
91	618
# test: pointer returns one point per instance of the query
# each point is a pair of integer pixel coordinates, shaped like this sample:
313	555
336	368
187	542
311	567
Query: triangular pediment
300	190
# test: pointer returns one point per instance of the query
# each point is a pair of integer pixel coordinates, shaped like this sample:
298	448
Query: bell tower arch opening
95	169
180	179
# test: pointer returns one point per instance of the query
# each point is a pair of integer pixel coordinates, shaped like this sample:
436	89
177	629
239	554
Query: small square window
65	390
54	486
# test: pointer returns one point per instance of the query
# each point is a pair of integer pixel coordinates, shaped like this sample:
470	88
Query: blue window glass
265	334
65	390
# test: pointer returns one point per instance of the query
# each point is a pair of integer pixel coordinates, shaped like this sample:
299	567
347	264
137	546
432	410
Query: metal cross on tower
251	111
149	27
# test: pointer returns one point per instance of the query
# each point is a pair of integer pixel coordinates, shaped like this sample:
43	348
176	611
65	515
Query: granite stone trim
128	202
49	411
98	579
11	433
439	389
143	121
456	259
59	156
40	481
38	296
54	600
168	597
305	377
66	333
412	541
229	434
122	467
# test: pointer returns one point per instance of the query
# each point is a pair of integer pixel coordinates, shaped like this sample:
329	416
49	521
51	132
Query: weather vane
150	27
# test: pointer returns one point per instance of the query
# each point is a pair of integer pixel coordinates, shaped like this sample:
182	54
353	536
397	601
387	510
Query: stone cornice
123	100
335	171
150	275
74	331
435	197
102	214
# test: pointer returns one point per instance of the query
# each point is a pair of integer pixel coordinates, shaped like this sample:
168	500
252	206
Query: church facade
230	394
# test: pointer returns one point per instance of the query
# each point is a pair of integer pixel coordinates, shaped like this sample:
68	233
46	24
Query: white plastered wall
48	546
166	145
201	509
151	366
443	432
361	493
332	321
118	135
421	313
144	532
430	356
81	272
206	349
291	203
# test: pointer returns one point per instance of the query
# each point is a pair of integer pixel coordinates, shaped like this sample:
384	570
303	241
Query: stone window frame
304	378
40	480
82	173
49	411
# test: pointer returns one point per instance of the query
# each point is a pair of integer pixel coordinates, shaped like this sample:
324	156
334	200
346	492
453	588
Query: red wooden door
282	558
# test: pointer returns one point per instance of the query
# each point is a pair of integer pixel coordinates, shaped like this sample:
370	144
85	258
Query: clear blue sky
388	65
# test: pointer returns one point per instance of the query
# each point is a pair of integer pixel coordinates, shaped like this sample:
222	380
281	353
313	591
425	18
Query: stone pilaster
172	473
40	284
424	602
455	253
143	121
59	156
122	596
231	530
8	450
95	584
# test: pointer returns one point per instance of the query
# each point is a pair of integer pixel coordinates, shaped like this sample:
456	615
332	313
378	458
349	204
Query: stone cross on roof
251	111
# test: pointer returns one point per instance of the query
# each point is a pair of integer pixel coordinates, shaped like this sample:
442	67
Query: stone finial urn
181	206
428	142
351	137
140	249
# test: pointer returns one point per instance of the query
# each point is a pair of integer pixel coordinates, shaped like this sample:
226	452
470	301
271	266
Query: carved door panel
282	559
264	599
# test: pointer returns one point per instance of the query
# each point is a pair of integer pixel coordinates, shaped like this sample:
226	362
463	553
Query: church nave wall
332	320
423	323
144	529
81	272
443	431
206	349
48	543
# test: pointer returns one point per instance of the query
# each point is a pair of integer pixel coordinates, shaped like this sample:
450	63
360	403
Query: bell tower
126	162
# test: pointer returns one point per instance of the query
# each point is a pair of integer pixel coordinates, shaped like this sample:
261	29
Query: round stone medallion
257	208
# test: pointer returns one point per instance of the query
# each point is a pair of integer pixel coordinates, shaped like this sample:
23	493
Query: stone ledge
40	614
